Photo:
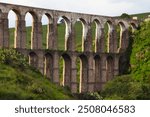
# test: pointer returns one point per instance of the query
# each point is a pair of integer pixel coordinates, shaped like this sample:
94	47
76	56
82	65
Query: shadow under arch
109	68
133	26
48	66
83	74
33	59
66	70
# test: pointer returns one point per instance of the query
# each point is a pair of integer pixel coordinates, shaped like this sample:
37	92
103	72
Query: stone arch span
96	67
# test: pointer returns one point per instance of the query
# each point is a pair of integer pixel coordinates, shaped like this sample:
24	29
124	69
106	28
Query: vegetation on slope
136	85
20	81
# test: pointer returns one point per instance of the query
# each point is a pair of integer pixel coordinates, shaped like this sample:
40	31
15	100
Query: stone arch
97	72
63	39
14	32
48	28
66	70
97	35
48	66
108	30
84	34
33	59
133	26
34	30
109	68
83	73
122	37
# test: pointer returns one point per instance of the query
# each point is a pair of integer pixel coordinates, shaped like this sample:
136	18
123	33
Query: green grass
20	81
141	15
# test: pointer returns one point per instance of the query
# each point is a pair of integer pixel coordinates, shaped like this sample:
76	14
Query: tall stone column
74	85
36	38
4	31
20	33
70	37
41	62
55	35
56	68
100	40
116	65
103	70
112	40
87	38
50	36
91	76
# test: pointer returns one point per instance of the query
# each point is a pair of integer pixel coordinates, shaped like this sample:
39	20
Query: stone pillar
70	38
20	33
112	40
98	73
84	74
41	62
103	69
116	65
36	37
55	35
100	41
56	68
87	38
4	31
74	85
50	36
91	77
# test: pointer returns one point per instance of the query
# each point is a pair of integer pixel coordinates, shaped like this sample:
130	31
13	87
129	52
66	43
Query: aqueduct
96	66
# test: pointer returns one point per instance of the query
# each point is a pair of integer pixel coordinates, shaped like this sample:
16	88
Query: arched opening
33	59
63	32
48	66
66	70
107	38
121	36
96	35
83	74
31	27
97	72
133	26
13	18
109	68
45	30
80	34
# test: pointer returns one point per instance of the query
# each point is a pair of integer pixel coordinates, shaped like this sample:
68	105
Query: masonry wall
96	67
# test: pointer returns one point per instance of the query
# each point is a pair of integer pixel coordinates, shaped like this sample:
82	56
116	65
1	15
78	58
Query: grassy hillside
141	15
20	81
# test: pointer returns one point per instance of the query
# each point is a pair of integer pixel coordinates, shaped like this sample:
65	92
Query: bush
13	58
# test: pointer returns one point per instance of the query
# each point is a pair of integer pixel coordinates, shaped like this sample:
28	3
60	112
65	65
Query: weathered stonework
96	67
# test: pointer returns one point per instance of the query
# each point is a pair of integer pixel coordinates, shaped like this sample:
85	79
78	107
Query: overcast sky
99	7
